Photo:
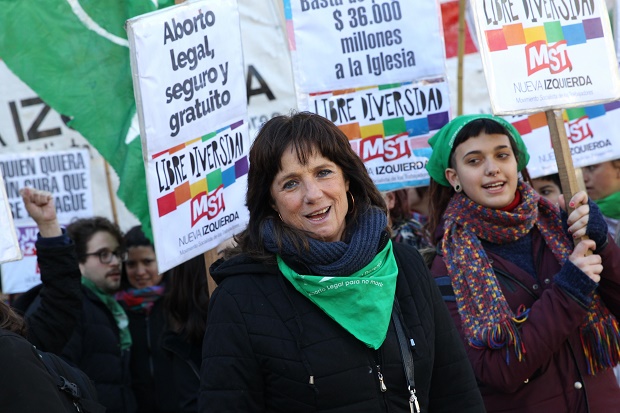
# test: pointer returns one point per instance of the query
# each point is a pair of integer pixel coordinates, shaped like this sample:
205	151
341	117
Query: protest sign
269	77
539	55
376	76
590	132
66	174
339	44
389	126
27	123
9	244
190	92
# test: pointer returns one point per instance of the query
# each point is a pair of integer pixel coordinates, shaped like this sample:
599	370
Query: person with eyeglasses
100	342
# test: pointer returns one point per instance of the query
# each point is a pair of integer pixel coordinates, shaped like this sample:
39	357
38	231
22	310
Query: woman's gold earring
458	188
352	208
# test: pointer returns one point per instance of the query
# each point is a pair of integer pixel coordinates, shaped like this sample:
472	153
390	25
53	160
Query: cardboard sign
546	55
192	105
340	44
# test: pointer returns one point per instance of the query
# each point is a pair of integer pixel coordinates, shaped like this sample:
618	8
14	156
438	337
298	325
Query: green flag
75	55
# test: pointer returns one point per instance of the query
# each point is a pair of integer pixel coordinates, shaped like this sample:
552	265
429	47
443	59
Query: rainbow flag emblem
213	180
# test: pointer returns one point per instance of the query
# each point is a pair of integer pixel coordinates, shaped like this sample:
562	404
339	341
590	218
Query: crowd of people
482	292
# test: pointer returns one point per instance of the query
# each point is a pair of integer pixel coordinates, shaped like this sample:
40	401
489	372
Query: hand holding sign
41	208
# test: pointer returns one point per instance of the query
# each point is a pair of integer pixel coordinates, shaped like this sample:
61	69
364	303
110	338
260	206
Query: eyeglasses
105	255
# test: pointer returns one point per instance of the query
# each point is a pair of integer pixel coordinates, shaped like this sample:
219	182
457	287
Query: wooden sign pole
460	57
566	170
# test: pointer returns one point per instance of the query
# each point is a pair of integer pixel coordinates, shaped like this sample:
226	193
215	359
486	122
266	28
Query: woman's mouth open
318	215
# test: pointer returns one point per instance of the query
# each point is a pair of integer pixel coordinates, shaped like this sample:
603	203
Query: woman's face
311	197
141	267
486	168
547	189
601	180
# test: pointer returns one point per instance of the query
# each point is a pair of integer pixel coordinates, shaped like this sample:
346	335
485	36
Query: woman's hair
440	195
11	321
136	238
306	133
400	211
187	298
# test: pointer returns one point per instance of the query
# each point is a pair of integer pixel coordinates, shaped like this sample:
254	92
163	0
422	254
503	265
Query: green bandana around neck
361	302
122	321
610	205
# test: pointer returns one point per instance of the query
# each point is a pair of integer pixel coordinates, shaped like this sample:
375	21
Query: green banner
75	55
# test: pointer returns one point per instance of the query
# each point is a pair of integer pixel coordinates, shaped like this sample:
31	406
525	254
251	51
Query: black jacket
95	349
151	367
269	349
186	359
59	297
25	384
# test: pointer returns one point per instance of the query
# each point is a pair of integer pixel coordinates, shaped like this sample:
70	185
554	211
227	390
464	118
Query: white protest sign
269	76
389	126
590	131
29	124
9	245
66	174
190	90
546	55
338	44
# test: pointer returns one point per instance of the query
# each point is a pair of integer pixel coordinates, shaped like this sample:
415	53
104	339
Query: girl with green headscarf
537	313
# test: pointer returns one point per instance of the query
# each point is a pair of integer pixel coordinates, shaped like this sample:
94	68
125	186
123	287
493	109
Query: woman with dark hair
316	310
142	289
185	303
537	314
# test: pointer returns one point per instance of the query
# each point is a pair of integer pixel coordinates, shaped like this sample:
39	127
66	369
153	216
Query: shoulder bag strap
405	353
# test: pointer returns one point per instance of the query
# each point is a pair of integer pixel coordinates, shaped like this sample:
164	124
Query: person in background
100	345
315	304
141	297
404	228
185	303
27	386
603	185
59	296
548	187
536	312
419	198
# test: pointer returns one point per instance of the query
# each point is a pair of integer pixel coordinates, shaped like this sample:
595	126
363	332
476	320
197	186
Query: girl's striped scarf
487	319
141	300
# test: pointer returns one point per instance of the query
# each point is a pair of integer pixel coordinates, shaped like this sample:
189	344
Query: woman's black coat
267	348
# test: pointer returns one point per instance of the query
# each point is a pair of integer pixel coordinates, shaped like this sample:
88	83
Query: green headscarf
443	141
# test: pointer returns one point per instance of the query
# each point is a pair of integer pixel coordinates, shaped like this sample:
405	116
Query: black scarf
334	258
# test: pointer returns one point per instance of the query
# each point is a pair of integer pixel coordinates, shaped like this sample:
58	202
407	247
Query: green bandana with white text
361	302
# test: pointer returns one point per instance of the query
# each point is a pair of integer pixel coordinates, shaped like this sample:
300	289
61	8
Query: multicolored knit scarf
141	300
488	320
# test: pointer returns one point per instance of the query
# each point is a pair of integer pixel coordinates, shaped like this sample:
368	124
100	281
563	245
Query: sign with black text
190	91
